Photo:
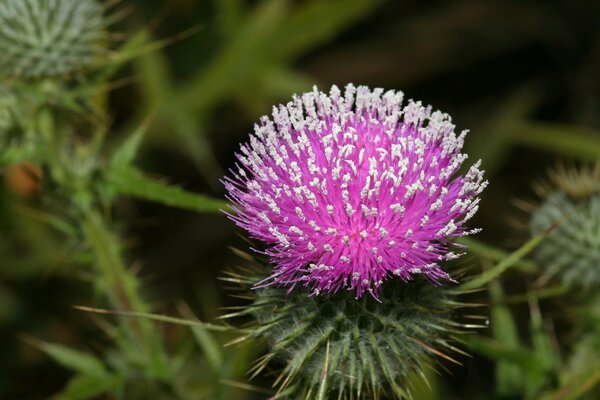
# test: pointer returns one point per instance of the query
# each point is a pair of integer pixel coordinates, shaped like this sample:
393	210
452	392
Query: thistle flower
351	190
50	37
572	203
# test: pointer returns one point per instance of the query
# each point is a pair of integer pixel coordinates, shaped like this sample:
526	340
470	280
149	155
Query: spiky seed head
362	349
51	38
572	204
351	189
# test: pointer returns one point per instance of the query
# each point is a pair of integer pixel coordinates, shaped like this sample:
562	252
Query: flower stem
122	290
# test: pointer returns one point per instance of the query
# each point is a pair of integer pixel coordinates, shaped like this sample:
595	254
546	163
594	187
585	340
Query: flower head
351	189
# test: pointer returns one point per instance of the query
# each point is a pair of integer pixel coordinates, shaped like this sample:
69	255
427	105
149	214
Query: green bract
354	349
49	37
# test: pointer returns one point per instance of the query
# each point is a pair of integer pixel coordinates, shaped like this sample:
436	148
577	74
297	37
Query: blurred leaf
281	82
55	222
496	350
82	387
194	142
578	388
137	45
503	265
493	143
248	67
509	377
570	141
228	15
544	350
537	294
129	50
272	34
212	350
237	62
154	77
75	360
580	375
132	182
122	288
124	155
315	22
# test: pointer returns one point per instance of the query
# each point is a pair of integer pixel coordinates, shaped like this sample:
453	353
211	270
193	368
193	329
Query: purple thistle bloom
351	189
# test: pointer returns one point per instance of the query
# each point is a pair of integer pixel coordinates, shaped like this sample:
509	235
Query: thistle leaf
132	182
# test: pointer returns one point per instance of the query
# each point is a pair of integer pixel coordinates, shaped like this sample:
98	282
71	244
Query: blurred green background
523	76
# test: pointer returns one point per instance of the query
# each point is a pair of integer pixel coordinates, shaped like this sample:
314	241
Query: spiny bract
352	349
572	250
349	190
50	37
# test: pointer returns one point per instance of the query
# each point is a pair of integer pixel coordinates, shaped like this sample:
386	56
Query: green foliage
50	37
84	387
253	65
509	377
521	370
8	105
72	132
570	141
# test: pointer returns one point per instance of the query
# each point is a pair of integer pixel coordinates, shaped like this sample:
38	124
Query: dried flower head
50	37
351	189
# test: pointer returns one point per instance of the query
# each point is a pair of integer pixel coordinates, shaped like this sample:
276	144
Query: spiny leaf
496	350
570	141
83	387
124	155
70	358
130	181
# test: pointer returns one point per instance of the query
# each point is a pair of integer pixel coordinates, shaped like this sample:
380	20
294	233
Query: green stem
516	256
51	141
122	291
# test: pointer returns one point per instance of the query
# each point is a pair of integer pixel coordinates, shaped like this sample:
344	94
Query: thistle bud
572	204
48	38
